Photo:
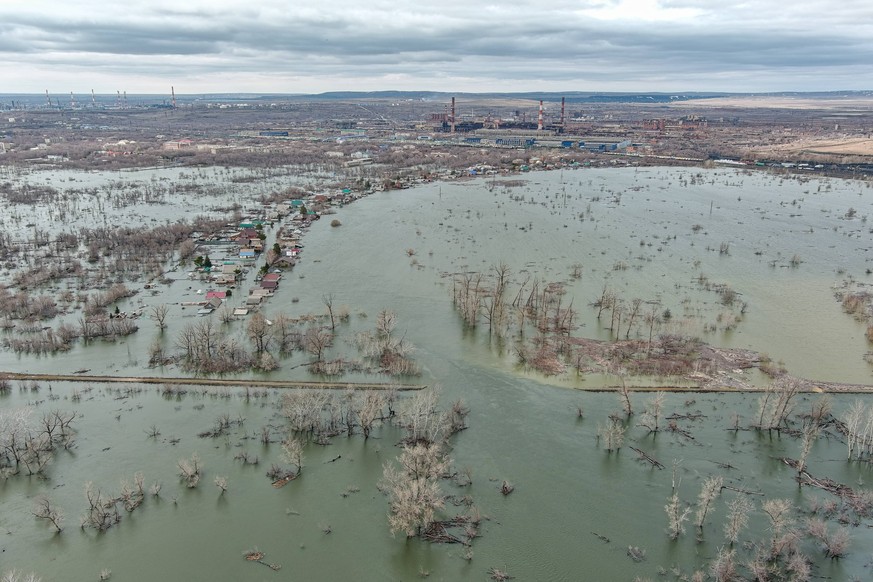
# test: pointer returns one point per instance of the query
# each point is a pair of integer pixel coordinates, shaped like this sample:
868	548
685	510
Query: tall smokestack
453	115
540	117
562	113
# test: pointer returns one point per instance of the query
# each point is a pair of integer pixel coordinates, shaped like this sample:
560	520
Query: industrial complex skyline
473	46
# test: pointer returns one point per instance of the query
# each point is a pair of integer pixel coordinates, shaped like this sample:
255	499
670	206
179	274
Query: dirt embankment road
218	382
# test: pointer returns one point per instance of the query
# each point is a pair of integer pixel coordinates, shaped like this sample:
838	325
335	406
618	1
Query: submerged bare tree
651	417
677	513
605	301
328	300
413	487
724	568
423	420
778	511
44	508
467	295
205	348
390	351
316	340
775	405
858	422
808	436
31	446
652	318
495	307
292	452
102	512
737	518
612	434
159	315
624	392
370	411
285	334
708	493
258	332
632	315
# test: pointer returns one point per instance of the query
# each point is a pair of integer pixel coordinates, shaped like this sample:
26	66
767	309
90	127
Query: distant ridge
572	97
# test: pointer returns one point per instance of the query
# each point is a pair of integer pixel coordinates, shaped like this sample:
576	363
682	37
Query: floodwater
522	428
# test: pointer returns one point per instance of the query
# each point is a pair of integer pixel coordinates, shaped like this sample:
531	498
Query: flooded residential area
636	372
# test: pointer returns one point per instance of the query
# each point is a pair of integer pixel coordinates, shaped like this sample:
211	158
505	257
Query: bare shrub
190	471
16	576
392	353
835	544
132	494
102	512
221	483
857	304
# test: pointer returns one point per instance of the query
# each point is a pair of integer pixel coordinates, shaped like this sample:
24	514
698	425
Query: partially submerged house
210	305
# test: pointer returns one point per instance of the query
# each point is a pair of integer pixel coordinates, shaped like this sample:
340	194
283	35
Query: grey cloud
559	45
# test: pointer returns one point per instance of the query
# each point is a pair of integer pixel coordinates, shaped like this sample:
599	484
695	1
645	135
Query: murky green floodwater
522	428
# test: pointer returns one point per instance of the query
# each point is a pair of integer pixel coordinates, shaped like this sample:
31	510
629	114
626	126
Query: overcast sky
290	46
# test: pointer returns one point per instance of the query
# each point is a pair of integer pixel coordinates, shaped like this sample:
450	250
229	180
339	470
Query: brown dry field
825	147
830	146
848	114
851	104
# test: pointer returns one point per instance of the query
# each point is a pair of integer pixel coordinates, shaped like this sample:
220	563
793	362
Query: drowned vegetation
541	321
801	528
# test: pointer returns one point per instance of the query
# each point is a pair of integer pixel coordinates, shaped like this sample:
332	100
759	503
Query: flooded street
783	244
